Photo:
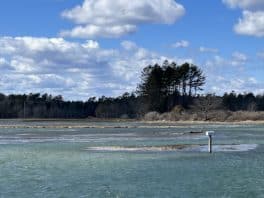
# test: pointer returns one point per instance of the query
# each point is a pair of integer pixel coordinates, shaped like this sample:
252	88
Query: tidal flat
74	158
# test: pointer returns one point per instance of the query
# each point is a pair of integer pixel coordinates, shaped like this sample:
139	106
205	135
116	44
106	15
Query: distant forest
162	88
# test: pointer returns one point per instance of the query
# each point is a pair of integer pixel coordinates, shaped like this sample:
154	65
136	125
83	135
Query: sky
85	48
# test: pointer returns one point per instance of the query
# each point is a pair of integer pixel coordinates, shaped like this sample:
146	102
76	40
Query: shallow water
130	161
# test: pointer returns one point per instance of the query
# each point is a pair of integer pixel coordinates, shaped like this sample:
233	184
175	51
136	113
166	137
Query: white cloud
75	70
89	31
135	58
234	64
129	45
251	24
245	4
52	64
231	74
78	70
181	44
23	65
91	44
252	21
239	85
238	56
210	50
252	80
3	61
114	18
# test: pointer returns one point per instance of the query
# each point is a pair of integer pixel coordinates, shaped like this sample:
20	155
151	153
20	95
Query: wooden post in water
210	140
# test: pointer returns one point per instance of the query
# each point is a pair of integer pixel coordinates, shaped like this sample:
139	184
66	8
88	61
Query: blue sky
84	48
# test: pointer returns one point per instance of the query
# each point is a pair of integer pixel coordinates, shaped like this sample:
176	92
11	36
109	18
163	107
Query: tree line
245	102
44	106
162	87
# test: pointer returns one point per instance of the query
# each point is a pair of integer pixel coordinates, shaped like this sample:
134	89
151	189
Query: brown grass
212	116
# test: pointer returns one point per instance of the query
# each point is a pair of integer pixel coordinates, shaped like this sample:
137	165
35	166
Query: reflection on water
134	160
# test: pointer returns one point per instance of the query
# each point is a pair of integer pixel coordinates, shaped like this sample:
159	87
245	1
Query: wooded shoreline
168	92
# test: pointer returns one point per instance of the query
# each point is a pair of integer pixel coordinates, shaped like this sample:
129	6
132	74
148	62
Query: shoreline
123	120
206	122
113	123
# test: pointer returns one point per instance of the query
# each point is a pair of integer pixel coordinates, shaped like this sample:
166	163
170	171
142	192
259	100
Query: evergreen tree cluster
169	85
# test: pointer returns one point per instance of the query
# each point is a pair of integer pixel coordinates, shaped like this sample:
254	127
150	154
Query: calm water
113	162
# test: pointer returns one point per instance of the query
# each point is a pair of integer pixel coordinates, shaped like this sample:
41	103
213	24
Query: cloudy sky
84	48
